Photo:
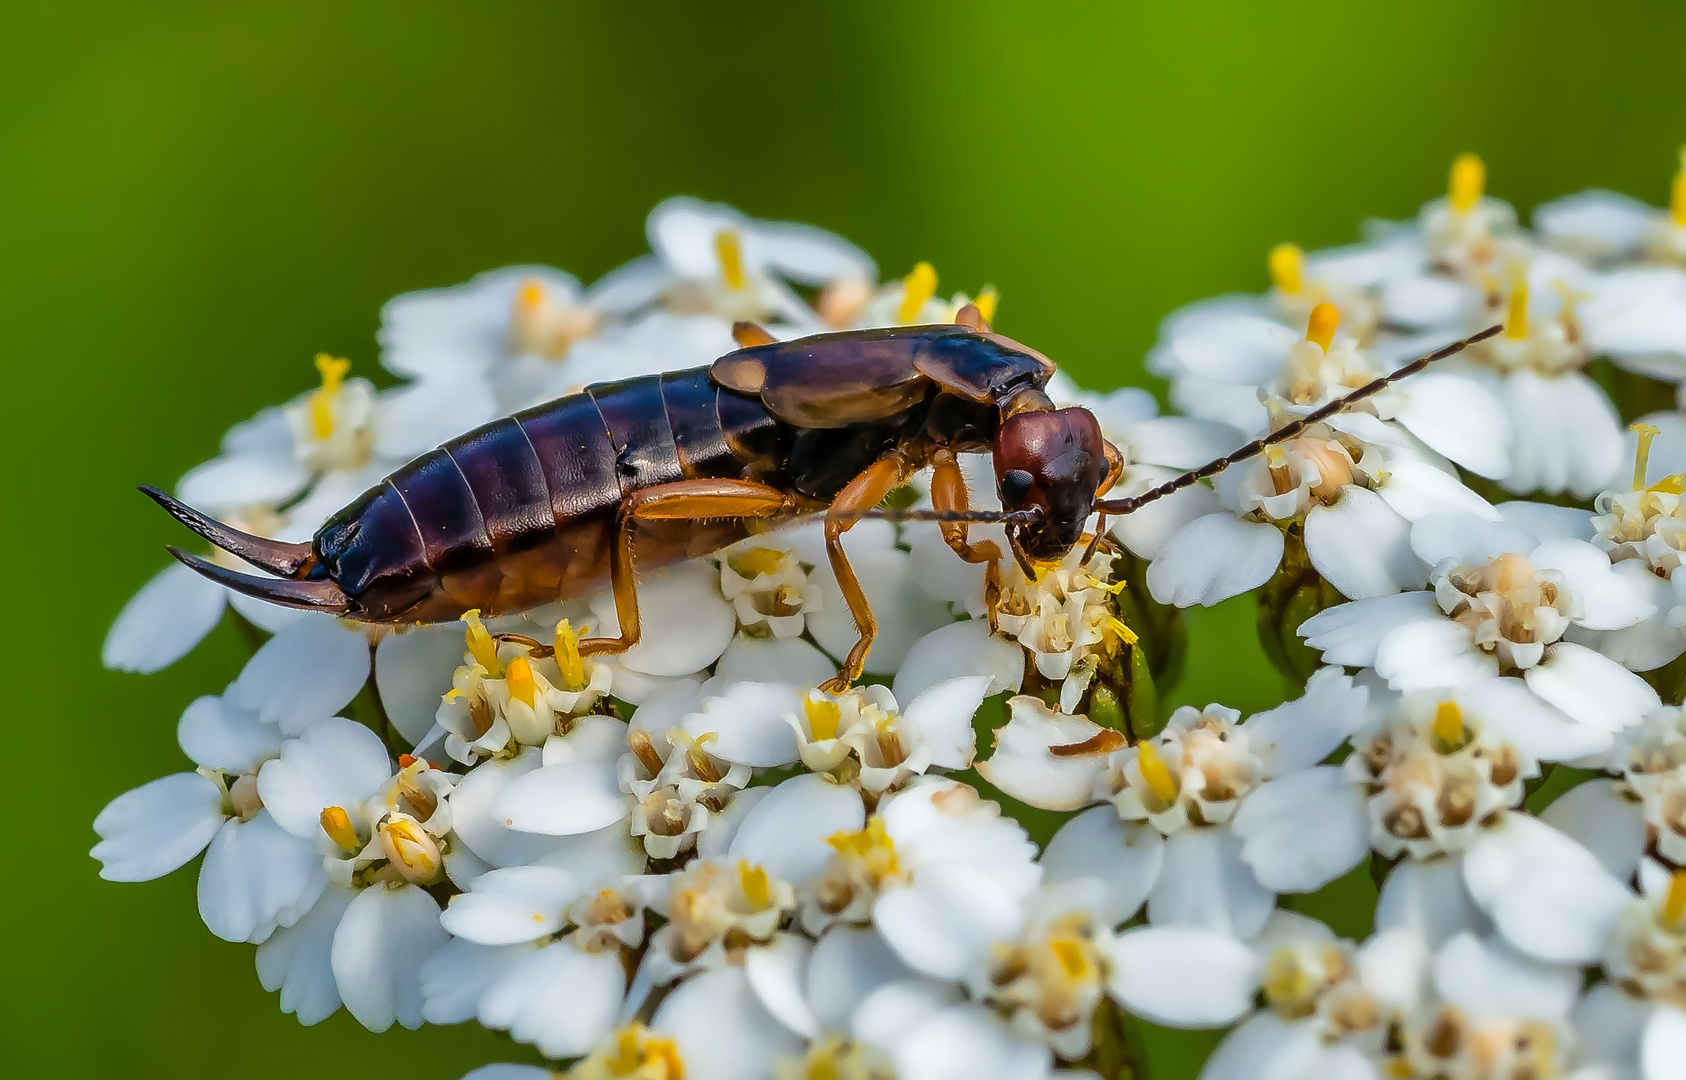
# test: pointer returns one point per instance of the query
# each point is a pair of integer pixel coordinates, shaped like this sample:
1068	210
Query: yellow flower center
986	303
755	561
1674	902
1448	726
1677	195
757	890
1156	774
824	717
632	1053
1320	327
1468	180
729	250
333	374
919	286
337	824
480	644
1516	313
568	656
521	685
870	848
409	849
1287	268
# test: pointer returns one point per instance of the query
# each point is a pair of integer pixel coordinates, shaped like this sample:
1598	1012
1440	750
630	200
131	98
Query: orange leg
948	492
683	500
857	497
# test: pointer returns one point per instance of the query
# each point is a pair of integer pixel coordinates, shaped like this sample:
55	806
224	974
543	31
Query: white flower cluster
688	860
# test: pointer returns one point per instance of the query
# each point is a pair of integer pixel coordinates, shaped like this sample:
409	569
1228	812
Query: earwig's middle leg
683	500
857	497
948	493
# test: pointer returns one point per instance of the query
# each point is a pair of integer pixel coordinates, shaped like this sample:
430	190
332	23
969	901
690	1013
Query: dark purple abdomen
521	512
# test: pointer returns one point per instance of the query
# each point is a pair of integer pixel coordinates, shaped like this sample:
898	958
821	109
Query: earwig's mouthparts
320	595
283	559
1290	431
976	517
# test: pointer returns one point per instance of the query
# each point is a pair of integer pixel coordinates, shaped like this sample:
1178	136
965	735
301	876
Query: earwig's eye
1015	484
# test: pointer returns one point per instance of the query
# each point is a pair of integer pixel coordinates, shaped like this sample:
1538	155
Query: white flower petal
1422	301
1204	883
1528	723
1485	977
257	876
1024	767
748	722
334	763
1519	845
1306	730
304	674
1304	830
968	1042
1146	530
1394	965
785	833
413	670
1564	915
559	999
157	827
1568	437
1590	688
1607	600
1459	418
1234	348
795	661
1609	1025
686	623
1547	522
515	904
892	1011
1180	442
217	734
1361	546
777	973
1603	819
1351	633
1662	1047
940	719
1124	858
563	800
297	960
1594	224
416	417
1467	538
904	611
721	1029
1426	655
383	939
943	923
1428	900
1183	976
163	622
1214	558
847	964
1416	488
457	976
960	648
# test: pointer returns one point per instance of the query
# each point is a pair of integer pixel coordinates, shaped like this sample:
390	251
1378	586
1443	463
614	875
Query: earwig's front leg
948	493
857	497
683	500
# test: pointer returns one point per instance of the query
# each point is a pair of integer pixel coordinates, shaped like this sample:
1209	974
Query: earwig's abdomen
521	512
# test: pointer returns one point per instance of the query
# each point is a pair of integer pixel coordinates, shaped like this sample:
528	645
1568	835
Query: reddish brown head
1053	462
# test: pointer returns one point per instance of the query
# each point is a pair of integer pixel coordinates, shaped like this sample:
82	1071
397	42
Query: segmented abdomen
521	512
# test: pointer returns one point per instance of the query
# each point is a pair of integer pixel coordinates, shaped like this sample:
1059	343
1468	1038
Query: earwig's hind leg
684	500
857	497
948	494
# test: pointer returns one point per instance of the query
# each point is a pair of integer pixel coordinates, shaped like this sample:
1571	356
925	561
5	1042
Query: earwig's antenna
1291	431
975	517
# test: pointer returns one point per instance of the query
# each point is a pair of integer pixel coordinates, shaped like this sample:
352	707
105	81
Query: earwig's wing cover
831	380
980	366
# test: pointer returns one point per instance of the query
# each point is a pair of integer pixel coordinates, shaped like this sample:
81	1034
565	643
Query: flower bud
409	849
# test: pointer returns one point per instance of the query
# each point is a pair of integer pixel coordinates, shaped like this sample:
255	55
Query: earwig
551	502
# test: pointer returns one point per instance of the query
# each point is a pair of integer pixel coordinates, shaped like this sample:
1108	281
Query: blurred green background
195	198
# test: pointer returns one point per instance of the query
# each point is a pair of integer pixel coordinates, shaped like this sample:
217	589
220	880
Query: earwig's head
1053	462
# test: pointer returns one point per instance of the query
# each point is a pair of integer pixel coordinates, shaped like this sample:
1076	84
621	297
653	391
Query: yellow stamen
729	250
1071	955
636	1053
529	296
480	644
409	849
521	685
755	561
1469	179
1516	314
1642	452
1320	327
1287	268
1117	628
752	880
870	845
337	824
568	655
824	717
333	374
1672	484
986	303
1674	901
1677	196
1448	723
1157	775
919	286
